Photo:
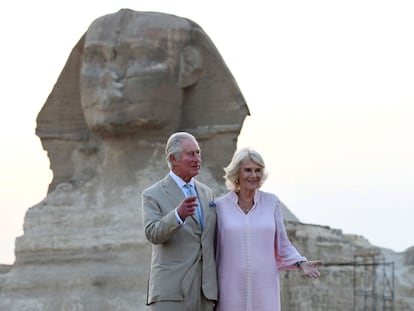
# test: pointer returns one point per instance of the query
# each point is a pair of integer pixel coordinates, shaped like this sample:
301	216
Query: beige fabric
180	253
194	299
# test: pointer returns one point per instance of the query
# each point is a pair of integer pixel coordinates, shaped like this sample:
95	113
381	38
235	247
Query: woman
252	243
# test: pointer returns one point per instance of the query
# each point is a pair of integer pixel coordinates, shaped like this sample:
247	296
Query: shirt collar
181	182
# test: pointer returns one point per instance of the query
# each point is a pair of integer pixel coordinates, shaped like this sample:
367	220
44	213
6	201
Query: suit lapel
172	189
202	197
174	192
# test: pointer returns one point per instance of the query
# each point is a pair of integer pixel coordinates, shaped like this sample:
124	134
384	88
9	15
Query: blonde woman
252	243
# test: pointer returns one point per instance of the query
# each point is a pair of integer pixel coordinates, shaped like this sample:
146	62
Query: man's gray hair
174	145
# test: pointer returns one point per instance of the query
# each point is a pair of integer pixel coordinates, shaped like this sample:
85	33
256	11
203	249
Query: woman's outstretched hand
309	268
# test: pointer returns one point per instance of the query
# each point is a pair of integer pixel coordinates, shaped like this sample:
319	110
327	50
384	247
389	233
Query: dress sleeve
285	253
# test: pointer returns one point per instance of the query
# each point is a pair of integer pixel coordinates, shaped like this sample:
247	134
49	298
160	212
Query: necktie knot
190	190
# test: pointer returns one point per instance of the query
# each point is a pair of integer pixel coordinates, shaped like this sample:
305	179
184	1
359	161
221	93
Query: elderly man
180	224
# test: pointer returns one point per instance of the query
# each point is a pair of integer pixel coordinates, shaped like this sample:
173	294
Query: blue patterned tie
190	193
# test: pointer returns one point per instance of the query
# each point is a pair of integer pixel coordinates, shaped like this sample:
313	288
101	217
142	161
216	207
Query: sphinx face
128	79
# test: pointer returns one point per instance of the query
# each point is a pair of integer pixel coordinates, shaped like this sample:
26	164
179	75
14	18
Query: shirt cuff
179	220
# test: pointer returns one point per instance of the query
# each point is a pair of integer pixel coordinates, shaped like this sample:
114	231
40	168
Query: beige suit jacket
178	249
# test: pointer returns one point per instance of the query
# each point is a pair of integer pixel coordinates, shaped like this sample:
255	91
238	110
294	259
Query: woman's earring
236	181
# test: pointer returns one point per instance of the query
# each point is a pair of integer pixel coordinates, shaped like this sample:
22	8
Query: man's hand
187	207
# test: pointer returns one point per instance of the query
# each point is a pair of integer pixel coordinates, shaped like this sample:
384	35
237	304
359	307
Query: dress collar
233	195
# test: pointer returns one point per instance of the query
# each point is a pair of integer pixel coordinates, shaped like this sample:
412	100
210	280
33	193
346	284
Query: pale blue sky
330	87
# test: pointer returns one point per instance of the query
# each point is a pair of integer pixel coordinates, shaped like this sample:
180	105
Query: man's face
188	165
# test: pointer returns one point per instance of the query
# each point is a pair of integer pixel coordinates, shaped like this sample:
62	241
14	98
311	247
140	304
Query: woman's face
128	79
250	175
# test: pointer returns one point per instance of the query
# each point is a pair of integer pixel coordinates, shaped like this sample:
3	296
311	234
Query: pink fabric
251	249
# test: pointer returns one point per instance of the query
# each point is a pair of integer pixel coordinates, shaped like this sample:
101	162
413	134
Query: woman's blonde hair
232	170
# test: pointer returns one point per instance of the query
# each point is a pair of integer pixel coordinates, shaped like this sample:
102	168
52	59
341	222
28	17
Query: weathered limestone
334	291
130	81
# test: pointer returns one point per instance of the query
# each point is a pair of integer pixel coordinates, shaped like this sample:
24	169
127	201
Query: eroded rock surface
130	81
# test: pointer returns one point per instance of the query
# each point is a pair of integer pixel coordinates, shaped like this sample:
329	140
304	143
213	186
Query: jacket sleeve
158	227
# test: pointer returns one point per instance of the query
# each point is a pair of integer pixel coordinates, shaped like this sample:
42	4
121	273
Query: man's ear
191	67
171	158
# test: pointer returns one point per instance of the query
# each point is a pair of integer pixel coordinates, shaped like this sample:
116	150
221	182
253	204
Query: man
183	272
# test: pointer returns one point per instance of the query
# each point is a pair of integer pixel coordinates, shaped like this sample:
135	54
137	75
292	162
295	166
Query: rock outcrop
356	275
130	81
133	79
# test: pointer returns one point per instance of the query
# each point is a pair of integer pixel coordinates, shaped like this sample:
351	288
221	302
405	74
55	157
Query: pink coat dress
251	249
